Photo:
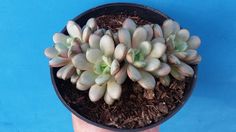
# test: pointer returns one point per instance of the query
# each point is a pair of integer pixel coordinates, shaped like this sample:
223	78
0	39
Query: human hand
82	126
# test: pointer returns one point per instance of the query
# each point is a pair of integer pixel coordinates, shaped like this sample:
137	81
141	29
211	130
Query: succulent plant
181	49
144	54
67	46
99	60
101	73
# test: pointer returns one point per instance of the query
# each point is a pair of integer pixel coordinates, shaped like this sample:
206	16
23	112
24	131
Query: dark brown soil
133	110
114	22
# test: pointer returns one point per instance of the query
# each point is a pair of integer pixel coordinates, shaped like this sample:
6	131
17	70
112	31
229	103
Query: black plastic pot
145	13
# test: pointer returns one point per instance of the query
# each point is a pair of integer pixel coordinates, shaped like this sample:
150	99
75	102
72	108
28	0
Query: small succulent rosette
99	60
101	73
181	49
67	46
143	56
155	52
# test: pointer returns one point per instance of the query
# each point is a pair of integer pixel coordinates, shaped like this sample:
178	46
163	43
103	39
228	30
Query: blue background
28	102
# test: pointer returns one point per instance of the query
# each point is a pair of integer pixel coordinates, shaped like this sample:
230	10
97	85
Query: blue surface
28	102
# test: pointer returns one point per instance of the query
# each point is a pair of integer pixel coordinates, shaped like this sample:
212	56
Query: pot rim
185	98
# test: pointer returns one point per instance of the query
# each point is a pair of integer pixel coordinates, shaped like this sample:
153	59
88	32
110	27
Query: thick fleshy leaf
170	43
92	24
81	87
124	37
145	47
165	80
84	47
109	33
180	55
51	52
107	45
191	55
94	40
164	58
115	67
87	78
138	55
58	61
172	59
149	31
140	35
74	78
60	72
120	52
129	56
194	42
116	38
185	70
158	50
160	40
114	89
170	27
180	46
140	64
83	29
133	73
80	62
75	41
74	49
62	49
174	72
68	71
107	60
93	55
195	61
106	70
130	25
103	78
74	30
152	64
163	70
78	71
60	38
176	26
100	32
183	35
147	81
167	28
99	67
86	33
121	76
157	31
108	99
96	92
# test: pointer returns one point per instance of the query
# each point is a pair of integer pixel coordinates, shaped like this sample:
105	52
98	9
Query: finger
155	129
82	126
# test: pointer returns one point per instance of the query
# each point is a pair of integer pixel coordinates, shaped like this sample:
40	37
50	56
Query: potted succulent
123	66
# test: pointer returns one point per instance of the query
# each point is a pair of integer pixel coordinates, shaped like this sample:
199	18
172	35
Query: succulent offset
67	46
181	49
101	73
143	56
100	60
